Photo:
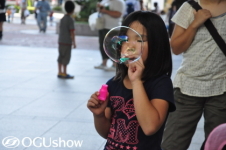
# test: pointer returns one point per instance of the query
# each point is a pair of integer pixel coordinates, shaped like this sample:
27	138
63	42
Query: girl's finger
95	95
91	104
95	101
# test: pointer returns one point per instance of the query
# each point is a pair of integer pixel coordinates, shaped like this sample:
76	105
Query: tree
87	8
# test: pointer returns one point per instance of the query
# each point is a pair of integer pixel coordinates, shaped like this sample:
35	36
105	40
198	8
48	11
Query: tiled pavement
35	103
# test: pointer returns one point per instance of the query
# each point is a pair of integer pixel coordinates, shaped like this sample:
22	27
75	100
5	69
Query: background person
112	11
43	7
156	8
131	6
200	82
66	40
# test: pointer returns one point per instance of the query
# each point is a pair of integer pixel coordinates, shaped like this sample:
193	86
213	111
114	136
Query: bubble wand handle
103	92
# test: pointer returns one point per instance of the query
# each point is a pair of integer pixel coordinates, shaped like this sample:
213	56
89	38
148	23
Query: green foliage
57	8
88	7
16	7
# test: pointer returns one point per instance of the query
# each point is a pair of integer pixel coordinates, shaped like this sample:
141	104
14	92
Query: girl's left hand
135	70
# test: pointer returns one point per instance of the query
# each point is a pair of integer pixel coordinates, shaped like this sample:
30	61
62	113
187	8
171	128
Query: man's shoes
112	68
100	67
65	76
42	30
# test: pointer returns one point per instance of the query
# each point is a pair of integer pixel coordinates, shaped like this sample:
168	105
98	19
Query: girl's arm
182	38
101	114
102	123
150	114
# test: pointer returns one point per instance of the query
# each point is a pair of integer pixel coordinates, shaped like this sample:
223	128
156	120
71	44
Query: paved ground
34	103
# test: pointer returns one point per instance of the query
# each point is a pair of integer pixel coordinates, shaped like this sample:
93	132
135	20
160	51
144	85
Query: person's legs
181	124
1	29
39	20
104	56
65	69
44	22
63	61
22	16
60	68
8	18
1	26
36	15
2	20
214	113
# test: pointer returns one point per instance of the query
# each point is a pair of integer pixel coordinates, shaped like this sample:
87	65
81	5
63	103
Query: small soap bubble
123	45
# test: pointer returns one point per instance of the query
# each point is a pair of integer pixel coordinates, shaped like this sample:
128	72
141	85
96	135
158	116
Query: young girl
141	93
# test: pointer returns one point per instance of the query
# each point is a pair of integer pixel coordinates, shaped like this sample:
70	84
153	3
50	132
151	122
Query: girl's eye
139	40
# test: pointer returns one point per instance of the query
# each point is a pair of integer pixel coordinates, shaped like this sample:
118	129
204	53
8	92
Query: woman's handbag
100	22
26	13
210	27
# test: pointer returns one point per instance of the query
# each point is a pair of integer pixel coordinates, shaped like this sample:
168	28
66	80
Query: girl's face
139	28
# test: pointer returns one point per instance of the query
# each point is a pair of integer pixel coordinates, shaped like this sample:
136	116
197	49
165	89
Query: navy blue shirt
125	132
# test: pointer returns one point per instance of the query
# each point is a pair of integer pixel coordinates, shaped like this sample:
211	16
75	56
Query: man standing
44	8
112	11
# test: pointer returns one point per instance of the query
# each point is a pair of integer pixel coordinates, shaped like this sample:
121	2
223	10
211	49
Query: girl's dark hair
159	59
69	6
224	148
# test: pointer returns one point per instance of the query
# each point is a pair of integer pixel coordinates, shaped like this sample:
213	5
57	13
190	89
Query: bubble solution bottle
103	92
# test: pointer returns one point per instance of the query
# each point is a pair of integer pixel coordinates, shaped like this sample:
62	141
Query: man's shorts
64	54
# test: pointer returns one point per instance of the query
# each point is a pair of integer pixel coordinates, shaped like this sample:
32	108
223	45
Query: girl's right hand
201	16
96	106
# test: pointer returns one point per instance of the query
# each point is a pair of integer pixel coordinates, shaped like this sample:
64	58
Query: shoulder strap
210	27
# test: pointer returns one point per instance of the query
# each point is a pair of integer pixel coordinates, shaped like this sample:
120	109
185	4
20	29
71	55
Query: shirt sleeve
162	88
184	16
71	24
118	6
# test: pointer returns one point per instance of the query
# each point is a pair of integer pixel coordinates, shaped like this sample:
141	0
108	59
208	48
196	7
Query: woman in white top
2	16
200	82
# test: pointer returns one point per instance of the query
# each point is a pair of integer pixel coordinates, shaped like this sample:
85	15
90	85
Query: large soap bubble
123	45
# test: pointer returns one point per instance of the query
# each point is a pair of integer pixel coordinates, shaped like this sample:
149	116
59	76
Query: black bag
210	27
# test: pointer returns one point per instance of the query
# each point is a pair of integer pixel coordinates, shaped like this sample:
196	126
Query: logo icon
10	142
